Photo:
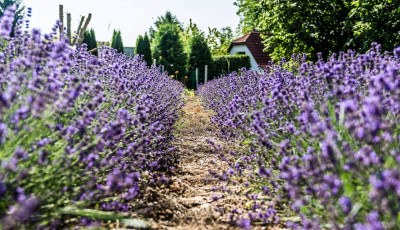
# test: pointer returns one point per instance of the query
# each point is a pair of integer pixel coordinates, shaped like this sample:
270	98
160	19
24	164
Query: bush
228	63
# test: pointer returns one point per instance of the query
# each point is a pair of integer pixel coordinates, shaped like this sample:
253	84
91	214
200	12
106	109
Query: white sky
133	17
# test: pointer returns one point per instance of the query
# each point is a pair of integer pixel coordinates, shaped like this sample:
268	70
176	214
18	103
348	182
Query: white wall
243	48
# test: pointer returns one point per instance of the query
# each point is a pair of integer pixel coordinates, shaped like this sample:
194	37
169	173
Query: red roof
253	41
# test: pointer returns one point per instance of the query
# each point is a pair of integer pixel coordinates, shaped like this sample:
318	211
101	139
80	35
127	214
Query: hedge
226	64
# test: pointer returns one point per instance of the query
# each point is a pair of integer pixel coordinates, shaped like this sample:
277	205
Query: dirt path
187	202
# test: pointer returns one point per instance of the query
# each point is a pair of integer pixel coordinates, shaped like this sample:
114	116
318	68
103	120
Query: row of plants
77	131
323	136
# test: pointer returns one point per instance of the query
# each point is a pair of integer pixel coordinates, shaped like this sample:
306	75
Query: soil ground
186	203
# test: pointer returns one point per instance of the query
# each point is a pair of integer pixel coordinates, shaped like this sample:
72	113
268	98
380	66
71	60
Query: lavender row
324	139
77	130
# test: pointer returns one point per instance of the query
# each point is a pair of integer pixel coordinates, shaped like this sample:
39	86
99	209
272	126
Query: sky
132	17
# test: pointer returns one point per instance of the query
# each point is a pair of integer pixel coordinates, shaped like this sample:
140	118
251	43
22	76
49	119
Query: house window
242	52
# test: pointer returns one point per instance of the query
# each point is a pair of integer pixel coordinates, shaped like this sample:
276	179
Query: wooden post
79	30
205	74
69	28
84	29
154	62
162	68
197	78
61	26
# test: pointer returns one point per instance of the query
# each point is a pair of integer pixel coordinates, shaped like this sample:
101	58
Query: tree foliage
90	40
19	13
168	49
321	26
168	18
219	40
143	48
200	54
116	42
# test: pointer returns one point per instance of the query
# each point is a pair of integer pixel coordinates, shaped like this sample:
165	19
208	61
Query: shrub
228	63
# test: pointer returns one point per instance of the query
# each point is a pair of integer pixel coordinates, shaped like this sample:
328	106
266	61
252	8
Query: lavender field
109	142
323	139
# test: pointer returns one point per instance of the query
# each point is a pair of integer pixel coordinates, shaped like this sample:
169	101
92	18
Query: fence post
162	68
197	78
205	74
61	14
154	62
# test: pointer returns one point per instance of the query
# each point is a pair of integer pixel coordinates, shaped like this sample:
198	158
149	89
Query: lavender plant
324	138
76	130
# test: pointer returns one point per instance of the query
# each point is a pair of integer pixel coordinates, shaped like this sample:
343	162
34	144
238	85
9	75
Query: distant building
251	44
129	50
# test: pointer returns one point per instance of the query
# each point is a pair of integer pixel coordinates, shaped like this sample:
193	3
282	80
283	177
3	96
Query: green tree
376	21
139	45
326	26
19	13
143	48
219	40
168	18
116	42
250	12
200	54
168	49
90	40
147	49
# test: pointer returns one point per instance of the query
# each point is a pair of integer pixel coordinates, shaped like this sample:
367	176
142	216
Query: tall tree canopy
168	18
90	40
143	48
116	42
200	54
321	25
19	13
168	49
219	40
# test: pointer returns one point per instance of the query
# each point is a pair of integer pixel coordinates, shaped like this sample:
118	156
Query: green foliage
250	15
96	214
90	40
116	42
200	54
143	48
321	26
219	40
375	21
168	18
228	63
19	14
168	49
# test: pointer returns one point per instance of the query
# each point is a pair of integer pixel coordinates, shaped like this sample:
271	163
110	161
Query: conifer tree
116	42
168	49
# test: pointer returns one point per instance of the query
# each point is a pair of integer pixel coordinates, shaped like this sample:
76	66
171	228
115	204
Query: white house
251	44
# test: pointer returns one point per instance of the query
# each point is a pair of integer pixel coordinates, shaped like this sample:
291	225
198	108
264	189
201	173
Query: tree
19	13
168	18
143	48
139	45
168	49
90	40
200	54
219	40
146	49
116	42
376	21
250	12
326	26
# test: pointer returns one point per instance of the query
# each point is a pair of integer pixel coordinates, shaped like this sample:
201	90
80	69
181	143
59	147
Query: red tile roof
253	41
